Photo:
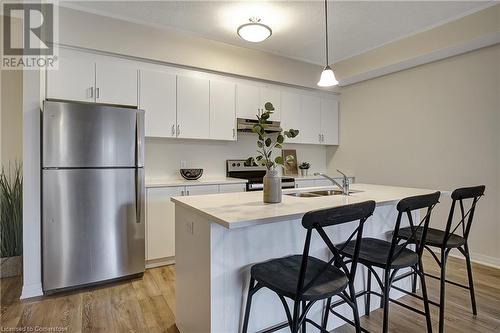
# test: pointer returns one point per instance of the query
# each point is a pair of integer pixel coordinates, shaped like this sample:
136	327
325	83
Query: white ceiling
298	26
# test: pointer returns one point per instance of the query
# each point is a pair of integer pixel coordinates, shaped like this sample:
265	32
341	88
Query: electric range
254	174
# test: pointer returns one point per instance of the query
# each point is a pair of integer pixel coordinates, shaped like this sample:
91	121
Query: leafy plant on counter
266	145
304	165
11	212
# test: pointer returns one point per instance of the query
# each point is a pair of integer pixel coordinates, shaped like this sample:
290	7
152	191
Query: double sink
322	193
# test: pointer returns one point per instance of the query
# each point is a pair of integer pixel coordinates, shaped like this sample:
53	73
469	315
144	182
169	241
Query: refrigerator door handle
139	139
139	194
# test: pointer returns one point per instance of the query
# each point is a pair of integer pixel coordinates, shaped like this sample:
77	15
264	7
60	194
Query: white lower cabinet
160	216
160	222
304	183
232	188
324	182
201	189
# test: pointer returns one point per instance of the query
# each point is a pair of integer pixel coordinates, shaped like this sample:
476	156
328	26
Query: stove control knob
238	164
234	164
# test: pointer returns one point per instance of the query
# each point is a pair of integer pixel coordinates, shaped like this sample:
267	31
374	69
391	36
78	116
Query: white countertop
152	182
246	209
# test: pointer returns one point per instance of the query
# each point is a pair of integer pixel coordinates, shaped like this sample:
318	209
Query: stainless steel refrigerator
92	194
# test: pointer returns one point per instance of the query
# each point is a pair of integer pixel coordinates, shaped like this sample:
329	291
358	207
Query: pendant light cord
326	31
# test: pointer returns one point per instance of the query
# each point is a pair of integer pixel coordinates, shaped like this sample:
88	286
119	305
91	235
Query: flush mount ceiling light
327	78
254	31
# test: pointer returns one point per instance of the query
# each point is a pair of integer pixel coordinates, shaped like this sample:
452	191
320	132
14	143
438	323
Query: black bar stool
393	256
453	237
306	279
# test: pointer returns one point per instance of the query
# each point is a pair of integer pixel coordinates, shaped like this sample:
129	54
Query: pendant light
327	78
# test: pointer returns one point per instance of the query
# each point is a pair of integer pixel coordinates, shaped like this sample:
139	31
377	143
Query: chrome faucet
345	181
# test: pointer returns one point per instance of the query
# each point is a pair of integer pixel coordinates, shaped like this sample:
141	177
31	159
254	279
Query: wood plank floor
148	305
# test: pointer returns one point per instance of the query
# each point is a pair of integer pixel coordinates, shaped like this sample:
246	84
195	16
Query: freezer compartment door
93	226
78	135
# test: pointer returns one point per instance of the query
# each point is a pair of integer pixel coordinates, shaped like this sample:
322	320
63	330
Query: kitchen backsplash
163	156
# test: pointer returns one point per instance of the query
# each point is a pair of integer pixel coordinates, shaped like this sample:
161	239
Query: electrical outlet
190	227
183	164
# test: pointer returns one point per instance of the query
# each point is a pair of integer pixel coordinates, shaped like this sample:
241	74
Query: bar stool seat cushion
374	252
281	275
435	237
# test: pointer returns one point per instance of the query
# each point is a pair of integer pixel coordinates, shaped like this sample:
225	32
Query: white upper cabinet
329	121
232	188
158	98
273	96
75	78
222	110
310	116
250	101
183	103
88	77
247	101
116	81
290	114
193	114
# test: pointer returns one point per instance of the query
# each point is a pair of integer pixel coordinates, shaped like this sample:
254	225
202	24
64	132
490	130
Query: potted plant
304	167
266	147
11	210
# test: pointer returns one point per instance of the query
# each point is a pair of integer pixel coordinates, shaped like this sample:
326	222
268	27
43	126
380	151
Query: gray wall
434	126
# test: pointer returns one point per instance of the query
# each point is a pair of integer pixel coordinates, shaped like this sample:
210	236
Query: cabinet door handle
91	92
322	138
182	192
234	133
97	94
173	129
319	137
187	192
178	129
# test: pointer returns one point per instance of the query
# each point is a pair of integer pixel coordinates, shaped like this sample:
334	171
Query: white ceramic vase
272	187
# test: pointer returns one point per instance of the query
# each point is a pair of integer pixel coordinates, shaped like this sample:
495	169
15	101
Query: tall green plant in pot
11	210
267	146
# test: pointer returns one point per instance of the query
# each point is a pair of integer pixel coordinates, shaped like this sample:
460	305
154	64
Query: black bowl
191	174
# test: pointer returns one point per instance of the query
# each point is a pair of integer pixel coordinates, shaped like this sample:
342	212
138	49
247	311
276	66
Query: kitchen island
218	238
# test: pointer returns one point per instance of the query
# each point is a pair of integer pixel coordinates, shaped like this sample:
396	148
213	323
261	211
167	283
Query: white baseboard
485	260
477	258
160	262
32	290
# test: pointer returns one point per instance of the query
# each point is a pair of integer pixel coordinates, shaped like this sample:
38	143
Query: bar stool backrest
317	220
470	195
405	207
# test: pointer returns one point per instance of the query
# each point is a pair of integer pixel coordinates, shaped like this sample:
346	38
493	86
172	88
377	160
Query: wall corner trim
454	50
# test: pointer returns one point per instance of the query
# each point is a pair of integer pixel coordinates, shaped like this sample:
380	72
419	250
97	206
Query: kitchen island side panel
224	256
192	272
